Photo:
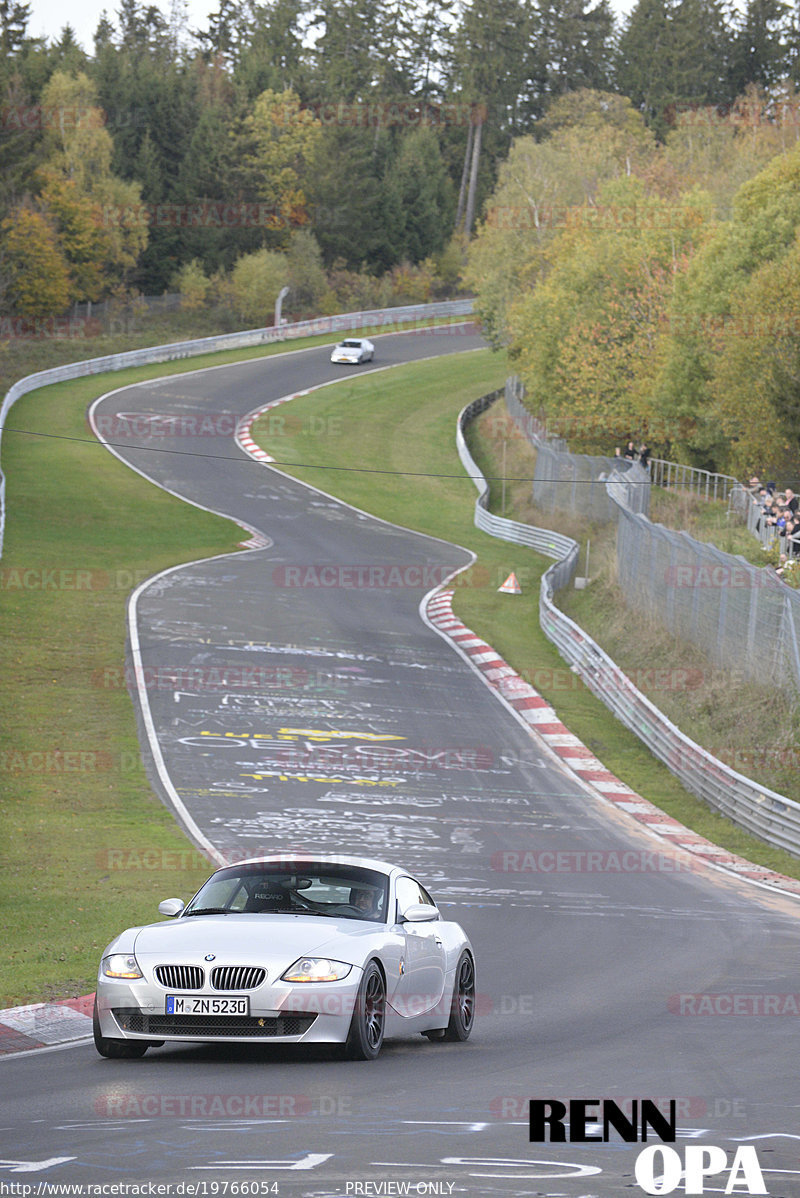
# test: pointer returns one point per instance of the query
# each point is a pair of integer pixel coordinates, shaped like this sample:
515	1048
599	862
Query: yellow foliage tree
756	373
100	219
194	286
588	339
281	140
36	270
76	141
254	284
594	137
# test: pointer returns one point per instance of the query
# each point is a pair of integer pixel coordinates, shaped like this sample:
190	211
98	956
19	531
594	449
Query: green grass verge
405	422
85	847
706	520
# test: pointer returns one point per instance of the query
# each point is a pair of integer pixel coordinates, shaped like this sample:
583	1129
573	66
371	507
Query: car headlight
120	965
316	969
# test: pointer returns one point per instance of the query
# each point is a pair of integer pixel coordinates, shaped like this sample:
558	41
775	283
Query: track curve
588	979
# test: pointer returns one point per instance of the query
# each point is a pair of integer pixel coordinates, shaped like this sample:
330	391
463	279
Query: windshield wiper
209	911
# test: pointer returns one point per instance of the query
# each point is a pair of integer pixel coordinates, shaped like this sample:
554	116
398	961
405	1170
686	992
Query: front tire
367	1026
113	1048
462	1009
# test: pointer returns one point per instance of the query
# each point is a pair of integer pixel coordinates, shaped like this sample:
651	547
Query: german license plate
202	1004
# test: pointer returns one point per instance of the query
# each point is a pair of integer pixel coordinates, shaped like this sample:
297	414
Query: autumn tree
719	149
99	217
587	339
277	145
760	233
255	282
755	374
33	268
592	137
309	291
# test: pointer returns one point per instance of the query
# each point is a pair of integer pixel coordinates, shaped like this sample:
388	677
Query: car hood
262	937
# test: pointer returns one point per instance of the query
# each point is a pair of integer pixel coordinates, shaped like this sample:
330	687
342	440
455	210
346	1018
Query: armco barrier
344	322
552	544
768	815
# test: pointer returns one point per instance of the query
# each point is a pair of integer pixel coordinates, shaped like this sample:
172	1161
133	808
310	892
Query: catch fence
742	617
759	810
576	482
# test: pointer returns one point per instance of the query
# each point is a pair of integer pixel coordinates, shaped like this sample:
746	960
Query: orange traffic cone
511	586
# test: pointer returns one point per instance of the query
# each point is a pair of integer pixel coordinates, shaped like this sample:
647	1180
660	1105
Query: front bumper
314	1013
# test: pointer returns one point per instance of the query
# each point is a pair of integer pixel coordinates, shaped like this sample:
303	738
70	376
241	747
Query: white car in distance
353	351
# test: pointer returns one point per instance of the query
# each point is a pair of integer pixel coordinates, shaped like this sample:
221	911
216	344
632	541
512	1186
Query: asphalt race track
331	717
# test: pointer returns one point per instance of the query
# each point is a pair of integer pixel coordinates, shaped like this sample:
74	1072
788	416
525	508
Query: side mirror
419	913
171	907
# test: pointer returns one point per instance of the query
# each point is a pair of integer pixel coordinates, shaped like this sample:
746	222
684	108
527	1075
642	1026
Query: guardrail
552	544
346	321
770	816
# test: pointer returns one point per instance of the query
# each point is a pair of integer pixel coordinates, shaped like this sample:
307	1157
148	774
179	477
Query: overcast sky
48	17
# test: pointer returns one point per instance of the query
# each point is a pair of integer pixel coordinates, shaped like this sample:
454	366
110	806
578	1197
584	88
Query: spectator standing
630	452
793	541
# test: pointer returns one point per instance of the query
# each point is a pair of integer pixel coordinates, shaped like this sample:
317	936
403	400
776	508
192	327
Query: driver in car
365	901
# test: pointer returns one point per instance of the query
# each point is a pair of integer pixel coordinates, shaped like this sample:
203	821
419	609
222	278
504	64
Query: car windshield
302	888
351	344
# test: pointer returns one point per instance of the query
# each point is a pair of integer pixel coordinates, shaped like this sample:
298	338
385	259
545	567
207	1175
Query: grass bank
706	520
85	847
